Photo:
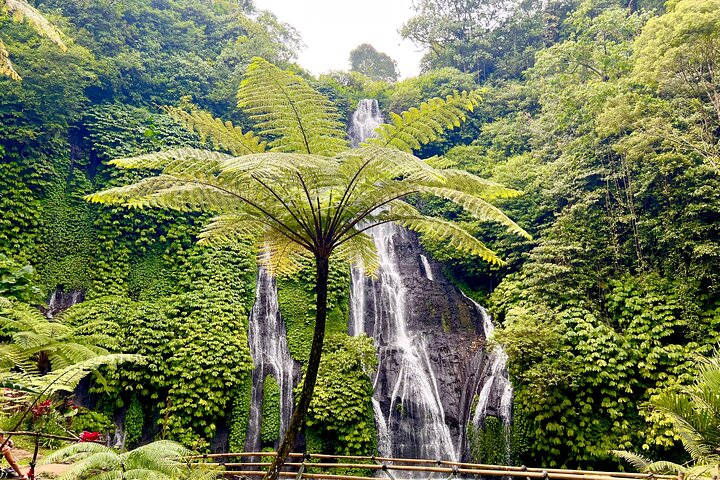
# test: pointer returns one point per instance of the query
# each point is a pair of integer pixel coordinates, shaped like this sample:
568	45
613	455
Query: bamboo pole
586	474
43	435
468	471
458	471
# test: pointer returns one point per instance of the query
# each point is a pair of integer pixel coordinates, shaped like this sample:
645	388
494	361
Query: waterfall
365	120
432	361
497	380
426	267
60	300
415	423
497	387
269	350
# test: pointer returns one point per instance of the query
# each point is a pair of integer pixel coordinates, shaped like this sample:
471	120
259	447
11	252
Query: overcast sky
332	28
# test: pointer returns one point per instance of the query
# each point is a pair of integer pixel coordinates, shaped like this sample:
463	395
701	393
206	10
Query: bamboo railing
323	466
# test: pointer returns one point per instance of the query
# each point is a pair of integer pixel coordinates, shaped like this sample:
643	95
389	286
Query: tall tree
475	35
306	194
367	60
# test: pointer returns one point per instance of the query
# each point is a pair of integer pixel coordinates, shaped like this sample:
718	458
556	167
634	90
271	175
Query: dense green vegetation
605	113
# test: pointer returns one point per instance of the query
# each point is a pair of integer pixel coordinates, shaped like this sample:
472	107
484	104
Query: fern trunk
303	402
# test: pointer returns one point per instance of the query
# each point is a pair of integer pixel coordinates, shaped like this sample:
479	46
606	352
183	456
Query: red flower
89	436
42	408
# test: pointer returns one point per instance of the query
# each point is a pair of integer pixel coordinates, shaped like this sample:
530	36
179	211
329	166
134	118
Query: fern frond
376	162
6	66
22	10
645	465
222	134
419	126
637	461
440	163
233	228
477	207
160	460
281	256
68	378
437	229
469	183
287	109
176	161
360	251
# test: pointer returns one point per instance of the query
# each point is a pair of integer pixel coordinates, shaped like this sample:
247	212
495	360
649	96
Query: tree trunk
303	403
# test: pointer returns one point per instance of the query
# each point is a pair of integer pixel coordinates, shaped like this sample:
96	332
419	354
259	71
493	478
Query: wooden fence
251	465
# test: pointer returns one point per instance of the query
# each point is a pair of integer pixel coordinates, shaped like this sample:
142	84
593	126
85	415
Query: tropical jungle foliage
604	112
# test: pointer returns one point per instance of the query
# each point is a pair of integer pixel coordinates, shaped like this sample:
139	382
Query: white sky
332	28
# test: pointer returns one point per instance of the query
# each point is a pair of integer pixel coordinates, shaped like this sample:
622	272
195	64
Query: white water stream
269	350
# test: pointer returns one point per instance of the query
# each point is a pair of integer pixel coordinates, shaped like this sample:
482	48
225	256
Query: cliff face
430	342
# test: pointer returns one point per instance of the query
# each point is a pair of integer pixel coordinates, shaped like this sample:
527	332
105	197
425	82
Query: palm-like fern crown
309	194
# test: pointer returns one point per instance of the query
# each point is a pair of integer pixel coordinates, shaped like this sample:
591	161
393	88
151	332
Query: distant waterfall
269	350
365	120
60	300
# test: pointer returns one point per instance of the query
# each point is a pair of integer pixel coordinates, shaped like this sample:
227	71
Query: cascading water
426	267
269	350
431	357
497	380
365	120
415	403
60	300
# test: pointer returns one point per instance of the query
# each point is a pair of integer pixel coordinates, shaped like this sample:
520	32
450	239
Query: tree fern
695	415
160	460
418	126
310	196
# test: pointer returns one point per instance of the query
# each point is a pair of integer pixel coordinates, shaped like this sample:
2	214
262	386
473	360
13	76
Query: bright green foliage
240	414
418	126
489	444
341	407
283	105
270	423
16	281
223	135
134	422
